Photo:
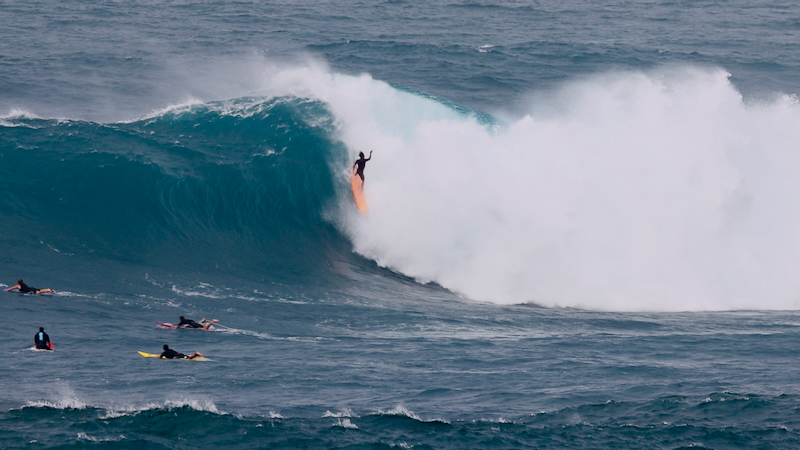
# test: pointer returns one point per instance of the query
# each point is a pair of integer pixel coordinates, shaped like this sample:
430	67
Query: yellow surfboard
358	193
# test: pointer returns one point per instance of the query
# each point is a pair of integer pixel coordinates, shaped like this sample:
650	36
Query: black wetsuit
189	323
172	354
42	340
360	163
25	288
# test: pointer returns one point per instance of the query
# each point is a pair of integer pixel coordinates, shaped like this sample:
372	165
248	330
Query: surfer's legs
196	354
207	325
46	291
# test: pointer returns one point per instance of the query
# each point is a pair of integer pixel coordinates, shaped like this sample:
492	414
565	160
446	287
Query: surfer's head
41	328
166	347
19	281
182	319
360	154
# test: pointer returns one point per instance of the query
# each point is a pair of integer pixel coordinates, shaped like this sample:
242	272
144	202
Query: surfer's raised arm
361	160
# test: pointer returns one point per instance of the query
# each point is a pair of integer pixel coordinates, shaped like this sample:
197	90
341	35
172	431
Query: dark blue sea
583	227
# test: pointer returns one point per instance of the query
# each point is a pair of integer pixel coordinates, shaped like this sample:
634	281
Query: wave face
627	191
239	186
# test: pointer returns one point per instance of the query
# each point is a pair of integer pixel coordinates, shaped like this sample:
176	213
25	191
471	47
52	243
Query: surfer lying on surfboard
189	323
24	288
361	162
169	353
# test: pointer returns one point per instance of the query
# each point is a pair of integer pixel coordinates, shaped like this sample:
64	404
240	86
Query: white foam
86	437
341	414
64	403
65	399
19	114
401	410
658	191
197	405
177	108
128	410
344	422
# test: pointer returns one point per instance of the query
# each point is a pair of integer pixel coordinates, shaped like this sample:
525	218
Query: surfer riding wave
360	163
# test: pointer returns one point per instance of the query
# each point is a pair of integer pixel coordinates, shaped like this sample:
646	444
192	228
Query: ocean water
582	228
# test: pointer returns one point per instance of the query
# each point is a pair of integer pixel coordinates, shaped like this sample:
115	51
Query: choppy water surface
581	231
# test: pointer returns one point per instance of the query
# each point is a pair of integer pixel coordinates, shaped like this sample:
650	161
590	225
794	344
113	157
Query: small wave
132	410
198	405
20	114
498	420
345	423
68	402
341	414
65	398
401	411
7	124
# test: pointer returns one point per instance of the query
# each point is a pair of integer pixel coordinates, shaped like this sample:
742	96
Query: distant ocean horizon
582	228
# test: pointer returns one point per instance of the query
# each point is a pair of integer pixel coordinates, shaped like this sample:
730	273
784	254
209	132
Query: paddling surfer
169	353
24	288
41	340
361	162
189	323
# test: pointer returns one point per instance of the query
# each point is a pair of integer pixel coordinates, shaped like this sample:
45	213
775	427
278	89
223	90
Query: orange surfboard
358	193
